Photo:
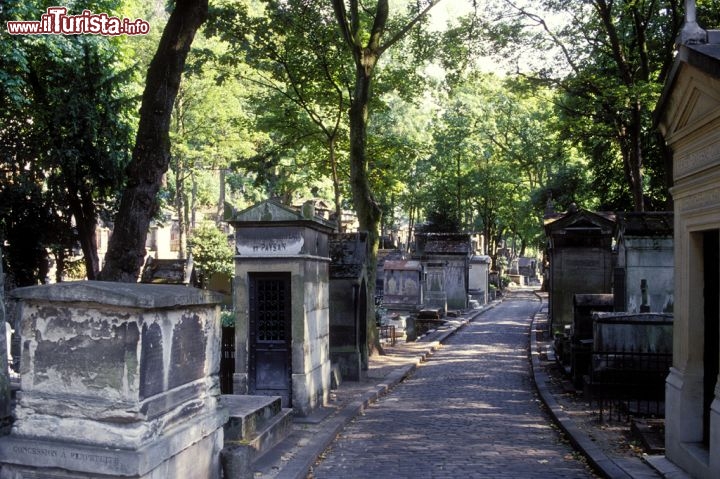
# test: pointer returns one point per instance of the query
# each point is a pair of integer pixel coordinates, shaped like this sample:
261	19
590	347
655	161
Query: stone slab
47	453
132	295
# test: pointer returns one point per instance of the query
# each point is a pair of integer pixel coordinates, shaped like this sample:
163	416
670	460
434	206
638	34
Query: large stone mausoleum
282	303
689	119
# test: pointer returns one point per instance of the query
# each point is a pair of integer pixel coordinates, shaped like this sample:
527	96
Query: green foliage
211	252
610	60
64	141
496	159
227	318
288	53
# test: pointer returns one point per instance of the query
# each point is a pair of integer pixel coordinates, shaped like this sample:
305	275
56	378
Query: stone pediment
581	219
267	211
689	110
695	103
271	211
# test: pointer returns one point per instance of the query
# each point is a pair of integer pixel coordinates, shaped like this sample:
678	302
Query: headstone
168	271
281	292
435	293
527	267
117	380
403	288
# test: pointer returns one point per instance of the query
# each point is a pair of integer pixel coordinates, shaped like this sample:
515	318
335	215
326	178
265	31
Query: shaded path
470	411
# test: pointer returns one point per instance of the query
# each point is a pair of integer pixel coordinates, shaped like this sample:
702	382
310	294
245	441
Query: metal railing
629	383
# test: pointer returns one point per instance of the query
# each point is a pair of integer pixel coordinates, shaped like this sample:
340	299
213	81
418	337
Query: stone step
256	425
248	414
275	431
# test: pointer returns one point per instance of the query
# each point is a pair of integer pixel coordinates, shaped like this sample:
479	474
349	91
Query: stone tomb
645	256
403	286
281	297
117	380
450	252
478	276
689	119
580	254
349	304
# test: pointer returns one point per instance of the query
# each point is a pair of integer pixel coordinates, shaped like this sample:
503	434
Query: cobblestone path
469	412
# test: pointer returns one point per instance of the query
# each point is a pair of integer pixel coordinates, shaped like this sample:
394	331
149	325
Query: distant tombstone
281	292
118	380
168	271
403	288
435	294
527	267
478	277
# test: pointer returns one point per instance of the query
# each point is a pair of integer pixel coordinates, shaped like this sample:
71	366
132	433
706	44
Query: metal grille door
270	336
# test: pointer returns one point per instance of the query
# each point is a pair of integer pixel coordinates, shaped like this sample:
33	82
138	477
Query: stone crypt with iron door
281	297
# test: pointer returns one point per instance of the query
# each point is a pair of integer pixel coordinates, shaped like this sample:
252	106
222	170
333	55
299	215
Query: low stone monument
478	278
645	255
451	252
403	286
117	380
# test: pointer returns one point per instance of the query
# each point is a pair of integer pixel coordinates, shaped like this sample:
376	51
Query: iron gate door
270	336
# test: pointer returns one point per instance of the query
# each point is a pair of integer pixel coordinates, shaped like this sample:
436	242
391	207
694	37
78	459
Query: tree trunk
86	222
180	209
365	57
151	154
221	199
636	158
336	184
367	209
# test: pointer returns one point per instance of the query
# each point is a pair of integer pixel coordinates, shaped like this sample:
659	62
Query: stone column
117	380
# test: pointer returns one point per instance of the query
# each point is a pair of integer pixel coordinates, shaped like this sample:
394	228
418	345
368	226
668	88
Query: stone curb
600	461
299	467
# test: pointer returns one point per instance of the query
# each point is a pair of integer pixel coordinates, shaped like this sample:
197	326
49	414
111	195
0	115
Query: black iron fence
629	383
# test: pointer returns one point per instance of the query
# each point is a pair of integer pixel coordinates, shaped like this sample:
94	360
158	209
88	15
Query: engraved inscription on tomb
286	244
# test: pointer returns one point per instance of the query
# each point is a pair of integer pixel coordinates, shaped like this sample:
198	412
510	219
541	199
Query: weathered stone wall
403	287
577	270
478	278
117	379
650	259
311	377
456	282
